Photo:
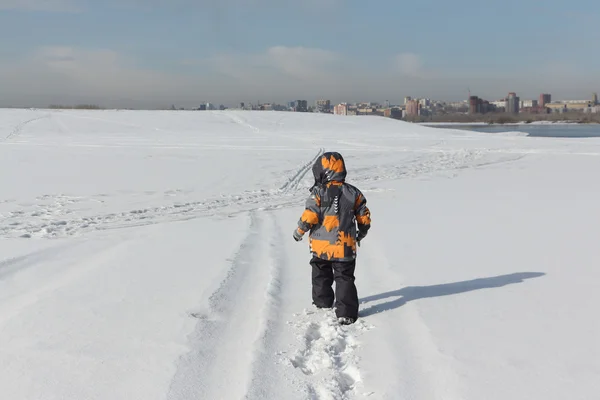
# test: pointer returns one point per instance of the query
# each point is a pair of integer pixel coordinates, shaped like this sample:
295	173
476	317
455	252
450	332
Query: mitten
297	235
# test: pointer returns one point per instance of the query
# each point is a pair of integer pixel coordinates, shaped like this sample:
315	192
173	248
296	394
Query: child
332	214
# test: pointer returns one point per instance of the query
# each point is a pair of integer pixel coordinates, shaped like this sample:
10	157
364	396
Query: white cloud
67	75
291	63
304	63
410	65
279	73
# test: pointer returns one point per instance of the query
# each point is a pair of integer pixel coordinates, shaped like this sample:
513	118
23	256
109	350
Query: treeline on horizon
508	118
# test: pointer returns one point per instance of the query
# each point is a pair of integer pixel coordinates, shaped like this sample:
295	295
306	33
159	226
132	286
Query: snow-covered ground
149	255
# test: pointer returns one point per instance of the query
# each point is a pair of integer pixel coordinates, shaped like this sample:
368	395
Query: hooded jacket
334	211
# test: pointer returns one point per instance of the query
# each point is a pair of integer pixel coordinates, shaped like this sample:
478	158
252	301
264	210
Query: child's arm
363	216
310	216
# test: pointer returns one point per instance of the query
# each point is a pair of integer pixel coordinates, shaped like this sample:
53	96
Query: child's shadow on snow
411	293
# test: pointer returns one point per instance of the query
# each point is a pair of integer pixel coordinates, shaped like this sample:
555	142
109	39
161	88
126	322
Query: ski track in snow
19	127
51	215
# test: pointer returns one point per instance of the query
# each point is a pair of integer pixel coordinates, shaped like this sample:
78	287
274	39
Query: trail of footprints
52	216
48	217
328	358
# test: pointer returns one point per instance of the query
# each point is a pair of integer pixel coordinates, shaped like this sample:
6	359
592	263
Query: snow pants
324	273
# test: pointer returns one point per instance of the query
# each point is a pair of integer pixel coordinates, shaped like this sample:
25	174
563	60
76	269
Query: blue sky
143	53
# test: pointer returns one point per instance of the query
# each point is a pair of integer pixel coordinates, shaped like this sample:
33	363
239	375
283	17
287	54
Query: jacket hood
329	167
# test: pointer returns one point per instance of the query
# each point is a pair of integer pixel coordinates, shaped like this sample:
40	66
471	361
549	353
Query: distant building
407	99
301	106
473	105
323	106
202	107
341	109
565	106
594	110
499	104
480	106
412	108
528	103
595	98
544	99
210	106
393	112
292	105
512	103
242	105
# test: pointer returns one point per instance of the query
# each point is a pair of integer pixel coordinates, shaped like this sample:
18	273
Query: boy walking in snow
333	212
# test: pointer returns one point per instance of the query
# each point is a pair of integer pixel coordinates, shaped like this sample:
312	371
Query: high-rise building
595	98
323	106
544	99
412	108
473	105
301	106
512	103
407	99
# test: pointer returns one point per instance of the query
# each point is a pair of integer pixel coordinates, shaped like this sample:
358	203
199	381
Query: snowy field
149	255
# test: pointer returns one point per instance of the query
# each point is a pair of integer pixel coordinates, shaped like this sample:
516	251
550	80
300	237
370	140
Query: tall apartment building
412	108
512	103
473	105
595	98
301	106
323	106
544	99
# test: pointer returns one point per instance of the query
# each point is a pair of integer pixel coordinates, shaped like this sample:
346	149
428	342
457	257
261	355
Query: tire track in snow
222	347
262	379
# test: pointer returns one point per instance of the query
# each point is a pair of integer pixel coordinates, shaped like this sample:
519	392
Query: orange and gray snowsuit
333	211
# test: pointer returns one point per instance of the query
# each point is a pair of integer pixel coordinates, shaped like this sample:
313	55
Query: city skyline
139	54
